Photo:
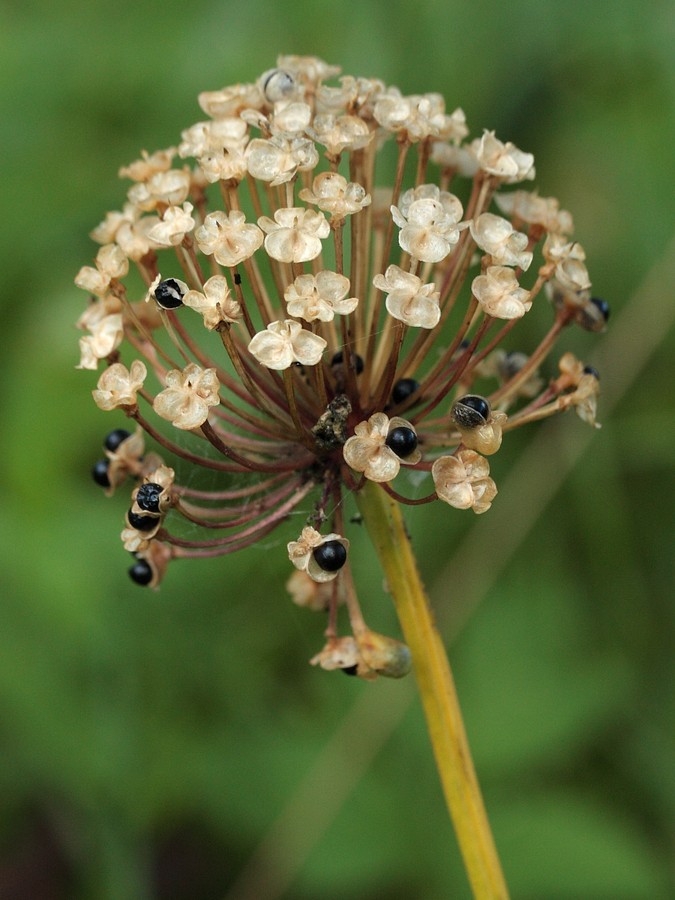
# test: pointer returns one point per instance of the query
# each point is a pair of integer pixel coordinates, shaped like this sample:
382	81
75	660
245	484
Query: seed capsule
115	438
402	440
470	411
141	573
169	294
330	556
148	497
404	388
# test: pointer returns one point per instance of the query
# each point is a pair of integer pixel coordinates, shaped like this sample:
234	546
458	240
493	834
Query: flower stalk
383	519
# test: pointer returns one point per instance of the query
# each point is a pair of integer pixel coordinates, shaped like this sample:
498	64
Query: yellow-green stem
385	525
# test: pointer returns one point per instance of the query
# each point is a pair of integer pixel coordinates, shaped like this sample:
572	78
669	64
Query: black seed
169	294
404	388
591	370
349	670
237	278
148	496
602	305
141	573
402	440
355	360
115	438
330	556
99	472
141	523
471	411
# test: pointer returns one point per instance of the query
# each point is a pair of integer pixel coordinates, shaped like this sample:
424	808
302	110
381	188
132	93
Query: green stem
385	525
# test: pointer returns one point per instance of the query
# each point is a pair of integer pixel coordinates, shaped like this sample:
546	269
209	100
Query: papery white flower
228	237
430	225
319	296
356	95
572	274
187	397
301	553
367	451
340	133
529	207
176	223
505	161
283	343
230	101
230	133
408	300
149	165
223	165
117	387
309	69
295	233
169	187
463	481
111	263
584	399
497	237
333	194
106	336
420	116
133	237
499	293
462	159
215	304
278	159
290	119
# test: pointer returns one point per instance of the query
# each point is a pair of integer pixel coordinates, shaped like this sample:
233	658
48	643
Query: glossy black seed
141	573
404	388
330	556
148	496
602	305
479	404
99	472
141	523
349	670
168	294
115	438
591	370
237	278
355	360
402	440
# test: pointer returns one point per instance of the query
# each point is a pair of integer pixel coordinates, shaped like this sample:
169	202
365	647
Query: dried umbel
279	305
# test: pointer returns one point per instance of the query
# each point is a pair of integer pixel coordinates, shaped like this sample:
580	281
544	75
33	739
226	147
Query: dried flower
331	324
463	481
370	451
215	303
295	234
499	293
285	343
117	387
319	296
228	237
187	397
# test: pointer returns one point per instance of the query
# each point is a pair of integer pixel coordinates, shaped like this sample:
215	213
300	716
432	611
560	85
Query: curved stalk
385	525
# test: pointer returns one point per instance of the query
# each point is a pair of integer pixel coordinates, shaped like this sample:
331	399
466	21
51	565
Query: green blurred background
176	744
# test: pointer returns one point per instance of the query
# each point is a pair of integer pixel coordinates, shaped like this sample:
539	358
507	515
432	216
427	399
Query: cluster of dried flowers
353	320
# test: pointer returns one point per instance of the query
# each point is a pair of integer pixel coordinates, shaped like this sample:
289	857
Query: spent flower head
356	324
